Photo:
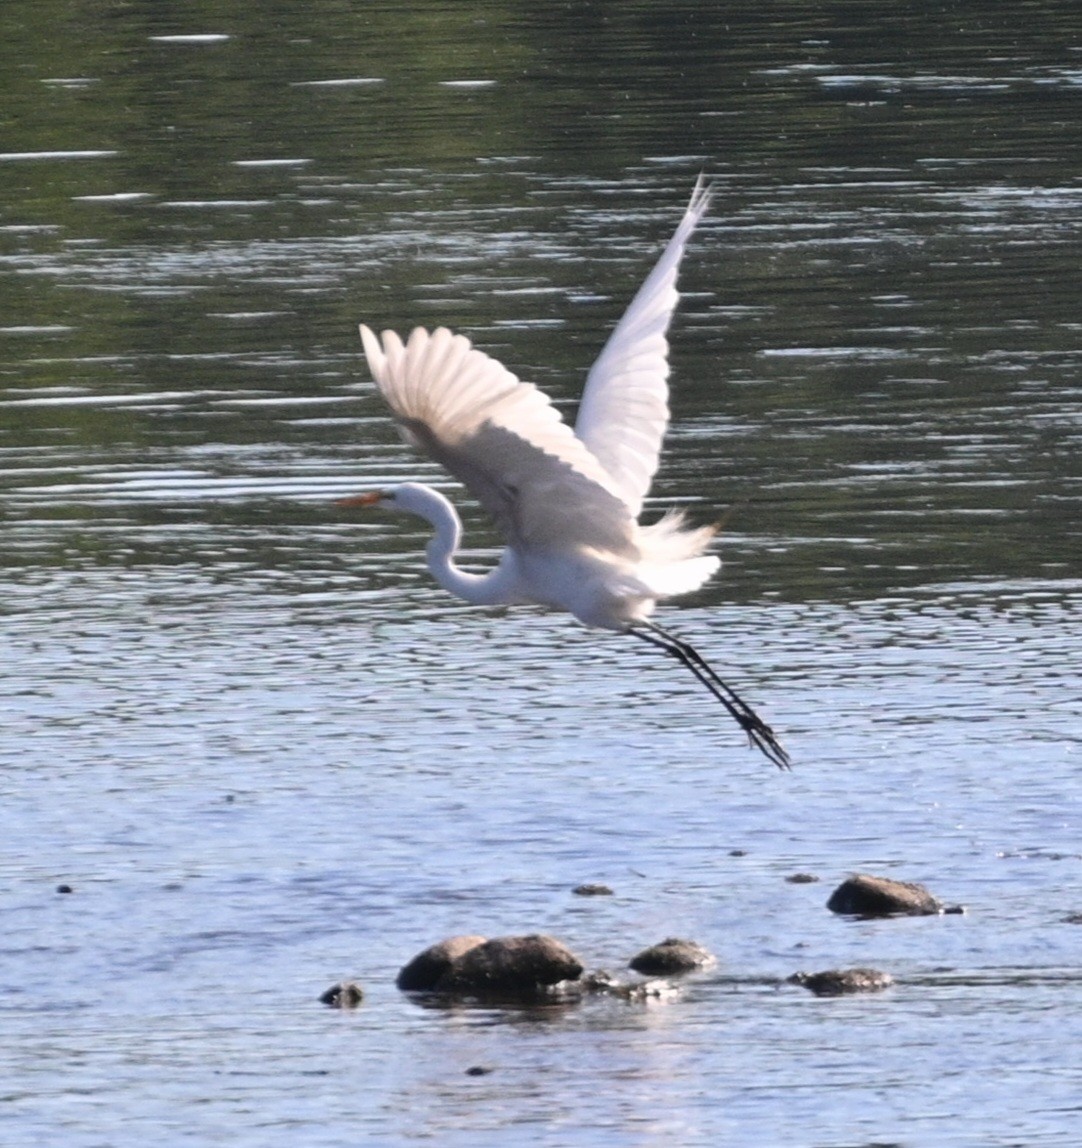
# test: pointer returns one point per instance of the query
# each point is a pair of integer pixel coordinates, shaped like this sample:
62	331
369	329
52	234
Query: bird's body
566	501
603	588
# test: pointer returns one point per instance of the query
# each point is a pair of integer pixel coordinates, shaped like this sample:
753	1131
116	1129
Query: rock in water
839	982
670	956
518	966
602	983
471	966
347	994
863	895
426	969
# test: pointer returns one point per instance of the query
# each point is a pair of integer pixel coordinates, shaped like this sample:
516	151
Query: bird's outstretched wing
502	438
625	410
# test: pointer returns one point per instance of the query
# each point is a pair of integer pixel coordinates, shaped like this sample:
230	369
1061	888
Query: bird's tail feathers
671	558
670	579
668	540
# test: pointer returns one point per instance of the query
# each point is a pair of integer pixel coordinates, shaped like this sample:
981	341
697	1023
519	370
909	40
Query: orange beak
370	499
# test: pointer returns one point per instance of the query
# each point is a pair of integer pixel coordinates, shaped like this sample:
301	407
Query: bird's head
384	499
406	498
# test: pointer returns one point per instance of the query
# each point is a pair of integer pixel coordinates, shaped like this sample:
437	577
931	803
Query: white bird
566	501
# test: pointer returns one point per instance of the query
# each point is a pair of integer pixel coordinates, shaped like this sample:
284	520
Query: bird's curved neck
478	589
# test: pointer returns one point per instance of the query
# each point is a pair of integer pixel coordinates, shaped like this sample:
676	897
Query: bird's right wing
502	438
625	408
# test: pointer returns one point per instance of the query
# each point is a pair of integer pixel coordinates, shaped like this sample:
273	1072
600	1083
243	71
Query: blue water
249	808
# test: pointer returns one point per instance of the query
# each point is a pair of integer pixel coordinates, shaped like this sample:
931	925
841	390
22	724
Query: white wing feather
503	439
624	410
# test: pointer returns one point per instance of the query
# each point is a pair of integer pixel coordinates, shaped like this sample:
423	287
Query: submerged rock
590	890
671	956
863	895
839	982
603	983
802	879
423	973
347	994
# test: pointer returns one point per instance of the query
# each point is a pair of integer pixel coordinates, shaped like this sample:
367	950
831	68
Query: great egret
566	501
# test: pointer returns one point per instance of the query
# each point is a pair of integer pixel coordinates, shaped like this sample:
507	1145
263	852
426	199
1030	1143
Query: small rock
516	966
599	981
479	1070
592	891
865	896
64	889
839	982
1073	919
423	973
347	994
802	878
671	956
604	983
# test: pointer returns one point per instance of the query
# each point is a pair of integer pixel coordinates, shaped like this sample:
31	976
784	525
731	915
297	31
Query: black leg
759	733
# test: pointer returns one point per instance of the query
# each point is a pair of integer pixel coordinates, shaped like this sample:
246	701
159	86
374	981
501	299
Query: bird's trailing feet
759	733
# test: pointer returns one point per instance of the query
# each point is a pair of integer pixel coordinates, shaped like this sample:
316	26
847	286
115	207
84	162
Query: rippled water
266	753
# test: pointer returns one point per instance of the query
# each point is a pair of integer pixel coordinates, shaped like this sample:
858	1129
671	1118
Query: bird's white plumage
567	501
502	438
624	409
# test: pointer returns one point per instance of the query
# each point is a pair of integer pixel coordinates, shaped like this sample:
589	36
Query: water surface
266	753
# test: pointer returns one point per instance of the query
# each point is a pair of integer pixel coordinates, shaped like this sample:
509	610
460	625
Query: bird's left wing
502	438
625	408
